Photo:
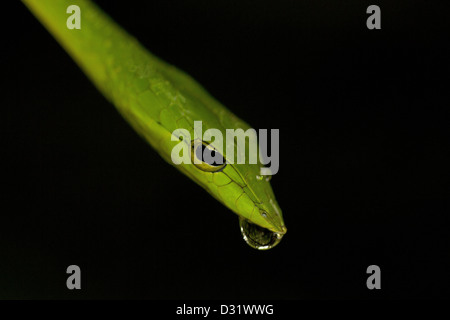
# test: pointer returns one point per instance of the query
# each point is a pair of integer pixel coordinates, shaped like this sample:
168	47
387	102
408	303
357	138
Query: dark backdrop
363	118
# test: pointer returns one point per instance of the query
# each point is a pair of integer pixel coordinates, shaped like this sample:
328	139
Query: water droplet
258	177
268	178
258	237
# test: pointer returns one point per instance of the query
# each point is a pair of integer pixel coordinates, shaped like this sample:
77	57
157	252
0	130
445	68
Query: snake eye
206	157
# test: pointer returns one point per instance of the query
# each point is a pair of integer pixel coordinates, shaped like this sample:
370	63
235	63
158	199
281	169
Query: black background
364	179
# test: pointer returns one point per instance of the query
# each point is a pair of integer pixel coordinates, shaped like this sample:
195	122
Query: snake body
156	99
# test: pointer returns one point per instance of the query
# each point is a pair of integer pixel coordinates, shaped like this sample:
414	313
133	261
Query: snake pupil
208	155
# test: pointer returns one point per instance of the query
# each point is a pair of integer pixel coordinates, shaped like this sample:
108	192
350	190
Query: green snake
156	98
